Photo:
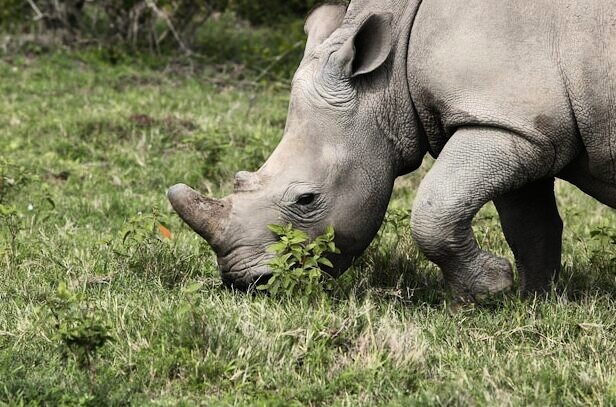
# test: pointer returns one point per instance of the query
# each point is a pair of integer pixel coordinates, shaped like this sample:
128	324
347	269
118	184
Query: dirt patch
124	82
142	120
172	125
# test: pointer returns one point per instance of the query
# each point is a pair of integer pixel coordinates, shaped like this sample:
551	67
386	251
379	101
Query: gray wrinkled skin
506	94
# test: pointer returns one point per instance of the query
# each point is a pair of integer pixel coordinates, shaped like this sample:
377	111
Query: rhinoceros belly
587	45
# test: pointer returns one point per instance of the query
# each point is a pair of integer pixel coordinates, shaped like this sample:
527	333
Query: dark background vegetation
210	32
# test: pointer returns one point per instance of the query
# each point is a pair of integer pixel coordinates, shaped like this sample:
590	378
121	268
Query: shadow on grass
393	267
403	275
597	277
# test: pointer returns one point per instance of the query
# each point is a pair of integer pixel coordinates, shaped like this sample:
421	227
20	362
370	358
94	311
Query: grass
93	148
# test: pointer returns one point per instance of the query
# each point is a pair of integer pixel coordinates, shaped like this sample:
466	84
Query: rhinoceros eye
305	199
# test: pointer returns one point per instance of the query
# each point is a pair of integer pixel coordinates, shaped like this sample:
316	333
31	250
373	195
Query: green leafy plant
605	237
80	329
12	179
605	234
145	246
137	233
297	264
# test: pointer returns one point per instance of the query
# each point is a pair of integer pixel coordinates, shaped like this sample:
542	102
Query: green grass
93	148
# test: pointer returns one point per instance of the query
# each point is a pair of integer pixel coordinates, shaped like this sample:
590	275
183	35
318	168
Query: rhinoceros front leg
477	165
533	228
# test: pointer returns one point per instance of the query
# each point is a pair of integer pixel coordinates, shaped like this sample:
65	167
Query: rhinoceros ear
322	22
368	48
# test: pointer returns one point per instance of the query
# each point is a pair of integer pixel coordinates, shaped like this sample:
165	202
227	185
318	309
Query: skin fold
506	95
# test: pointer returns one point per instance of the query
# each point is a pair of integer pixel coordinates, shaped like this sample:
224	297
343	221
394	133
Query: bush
297	267
271	11
140	24
13	12
134	23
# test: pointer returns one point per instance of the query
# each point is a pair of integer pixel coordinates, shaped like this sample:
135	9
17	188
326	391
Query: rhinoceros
505	94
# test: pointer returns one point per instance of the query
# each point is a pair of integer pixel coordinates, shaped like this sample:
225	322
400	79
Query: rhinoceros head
334	166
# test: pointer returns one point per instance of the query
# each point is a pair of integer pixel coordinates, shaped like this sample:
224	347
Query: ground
108	298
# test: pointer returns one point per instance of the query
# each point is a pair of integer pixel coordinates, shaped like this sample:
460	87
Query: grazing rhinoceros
507	94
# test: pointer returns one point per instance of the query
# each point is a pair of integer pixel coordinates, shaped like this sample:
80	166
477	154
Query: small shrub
605	240
133	23
271	11
145	247
12	179
296	267
13	12
80	329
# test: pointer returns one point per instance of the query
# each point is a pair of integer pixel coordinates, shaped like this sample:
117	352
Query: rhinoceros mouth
248	283
244	274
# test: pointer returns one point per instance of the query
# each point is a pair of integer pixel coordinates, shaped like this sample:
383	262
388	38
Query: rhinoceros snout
245	267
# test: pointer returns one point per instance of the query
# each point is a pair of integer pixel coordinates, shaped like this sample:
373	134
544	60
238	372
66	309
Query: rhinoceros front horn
206	216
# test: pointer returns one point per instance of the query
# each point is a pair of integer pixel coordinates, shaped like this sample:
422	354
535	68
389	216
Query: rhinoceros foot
487	276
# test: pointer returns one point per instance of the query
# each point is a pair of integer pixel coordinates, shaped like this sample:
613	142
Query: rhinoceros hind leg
533	228
578	173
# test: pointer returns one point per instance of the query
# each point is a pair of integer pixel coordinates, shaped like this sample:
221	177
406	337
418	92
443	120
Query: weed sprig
297	265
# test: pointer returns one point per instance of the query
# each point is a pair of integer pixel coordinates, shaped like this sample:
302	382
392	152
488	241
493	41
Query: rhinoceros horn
206	216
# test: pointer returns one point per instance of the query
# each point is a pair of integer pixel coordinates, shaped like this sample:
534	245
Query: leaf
311	262
6	210
329	231
297	267
277	229
325	261
298	238
277	247
63	292
126	235
165	232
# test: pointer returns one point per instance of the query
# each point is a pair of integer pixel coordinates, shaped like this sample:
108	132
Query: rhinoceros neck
402	127
410	140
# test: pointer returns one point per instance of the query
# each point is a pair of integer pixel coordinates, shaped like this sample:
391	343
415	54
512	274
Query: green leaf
325	261
126	235
298	238
277	229
277	247
329	231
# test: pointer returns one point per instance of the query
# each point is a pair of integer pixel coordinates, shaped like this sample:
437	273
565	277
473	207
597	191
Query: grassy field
87	151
